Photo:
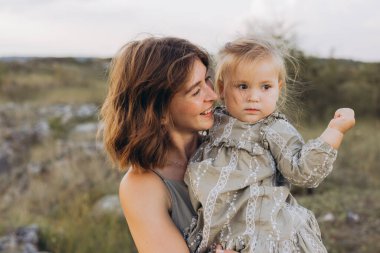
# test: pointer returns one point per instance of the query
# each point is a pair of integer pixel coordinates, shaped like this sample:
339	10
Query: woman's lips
208	112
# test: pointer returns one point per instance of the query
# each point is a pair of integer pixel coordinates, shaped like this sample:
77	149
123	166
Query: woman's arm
145	202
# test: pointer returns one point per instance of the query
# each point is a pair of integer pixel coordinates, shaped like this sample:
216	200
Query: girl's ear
280	84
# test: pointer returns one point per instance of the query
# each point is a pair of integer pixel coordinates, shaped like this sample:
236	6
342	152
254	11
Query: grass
343	235
60	199
48	81
352	187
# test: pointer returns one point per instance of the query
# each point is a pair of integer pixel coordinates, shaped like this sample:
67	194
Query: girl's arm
307	164
145	202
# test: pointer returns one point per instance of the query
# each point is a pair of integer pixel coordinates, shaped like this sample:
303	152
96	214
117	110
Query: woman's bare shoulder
145	201
142	188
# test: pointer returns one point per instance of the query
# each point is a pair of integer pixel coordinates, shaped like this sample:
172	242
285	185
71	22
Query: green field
60	198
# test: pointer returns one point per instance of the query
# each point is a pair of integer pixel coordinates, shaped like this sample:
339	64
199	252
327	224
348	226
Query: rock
42	129
86	110
352	217
23	240
7	157
108	204
28	234
86	128
34	168
22	138
4	163
66	113
62	111
328	217
15	148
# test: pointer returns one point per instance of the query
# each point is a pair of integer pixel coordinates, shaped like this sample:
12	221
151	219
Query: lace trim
211	199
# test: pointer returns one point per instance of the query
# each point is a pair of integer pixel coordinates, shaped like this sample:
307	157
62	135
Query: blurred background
58	192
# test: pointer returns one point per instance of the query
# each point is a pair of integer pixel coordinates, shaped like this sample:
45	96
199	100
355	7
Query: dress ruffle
237	185
305	239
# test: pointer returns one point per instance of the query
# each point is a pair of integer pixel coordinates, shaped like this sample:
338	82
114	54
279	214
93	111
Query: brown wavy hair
144	76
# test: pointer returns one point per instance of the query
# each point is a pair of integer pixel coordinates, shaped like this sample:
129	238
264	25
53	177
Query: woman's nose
210	94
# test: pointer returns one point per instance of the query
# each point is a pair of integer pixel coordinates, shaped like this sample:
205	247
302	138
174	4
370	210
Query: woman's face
191	109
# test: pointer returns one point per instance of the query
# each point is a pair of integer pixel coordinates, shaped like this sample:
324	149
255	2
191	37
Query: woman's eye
197	92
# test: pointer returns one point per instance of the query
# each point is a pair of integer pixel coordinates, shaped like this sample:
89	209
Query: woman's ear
165	119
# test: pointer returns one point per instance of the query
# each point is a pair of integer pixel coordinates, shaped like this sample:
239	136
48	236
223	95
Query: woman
159	98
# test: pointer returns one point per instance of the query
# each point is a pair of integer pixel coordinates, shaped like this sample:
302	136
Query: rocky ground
58	193
36	143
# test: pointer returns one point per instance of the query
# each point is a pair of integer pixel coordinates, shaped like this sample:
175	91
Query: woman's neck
182	148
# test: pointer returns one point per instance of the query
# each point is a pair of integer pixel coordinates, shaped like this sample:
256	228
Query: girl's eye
242	86
266	86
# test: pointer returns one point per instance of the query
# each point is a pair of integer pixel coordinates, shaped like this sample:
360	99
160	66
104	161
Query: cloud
100	27
345	27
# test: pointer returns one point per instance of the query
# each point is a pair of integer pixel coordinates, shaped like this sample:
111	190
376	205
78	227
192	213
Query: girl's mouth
252	110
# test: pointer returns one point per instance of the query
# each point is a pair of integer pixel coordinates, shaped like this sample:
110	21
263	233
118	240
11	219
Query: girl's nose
253	96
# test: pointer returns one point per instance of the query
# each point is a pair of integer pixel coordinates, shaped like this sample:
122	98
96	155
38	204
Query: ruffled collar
222	112
229	131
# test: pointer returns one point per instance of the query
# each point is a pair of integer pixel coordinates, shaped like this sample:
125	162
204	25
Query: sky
98	28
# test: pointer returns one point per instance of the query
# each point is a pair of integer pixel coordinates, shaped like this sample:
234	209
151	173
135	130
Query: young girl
239	179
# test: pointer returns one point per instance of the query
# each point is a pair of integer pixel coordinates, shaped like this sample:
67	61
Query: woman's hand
344	120
219	249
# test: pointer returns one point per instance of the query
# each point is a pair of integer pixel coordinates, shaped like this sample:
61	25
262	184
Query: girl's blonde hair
249	50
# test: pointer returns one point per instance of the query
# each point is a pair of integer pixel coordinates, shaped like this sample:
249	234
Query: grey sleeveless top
181	209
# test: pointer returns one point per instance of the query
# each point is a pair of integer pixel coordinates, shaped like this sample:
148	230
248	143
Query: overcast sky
339	28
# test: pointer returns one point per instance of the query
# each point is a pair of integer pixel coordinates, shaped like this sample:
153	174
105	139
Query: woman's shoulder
136	177
141	187
145	203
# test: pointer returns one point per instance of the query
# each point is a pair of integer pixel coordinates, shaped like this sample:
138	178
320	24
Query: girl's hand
219	249
344	120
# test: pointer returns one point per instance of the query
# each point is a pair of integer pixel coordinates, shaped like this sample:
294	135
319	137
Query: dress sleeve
302	164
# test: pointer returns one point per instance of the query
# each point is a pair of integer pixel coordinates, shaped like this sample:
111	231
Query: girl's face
191	109
251	93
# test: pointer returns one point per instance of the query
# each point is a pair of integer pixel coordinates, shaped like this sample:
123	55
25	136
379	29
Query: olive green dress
181	211
239	182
